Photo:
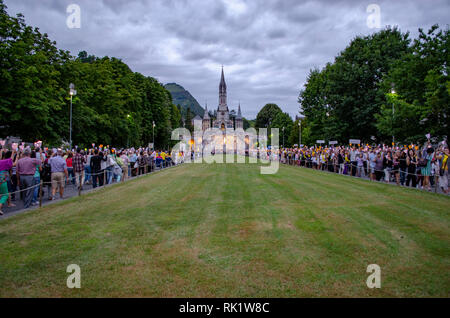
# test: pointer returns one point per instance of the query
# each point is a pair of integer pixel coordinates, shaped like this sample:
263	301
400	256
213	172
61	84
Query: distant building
223	120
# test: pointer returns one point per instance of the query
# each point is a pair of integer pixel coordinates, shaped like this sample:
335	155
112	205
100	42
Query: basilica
223	120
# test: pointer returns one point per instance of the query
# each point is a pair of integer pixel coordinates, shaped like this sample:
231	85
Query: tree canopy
113	105
271	116
352	97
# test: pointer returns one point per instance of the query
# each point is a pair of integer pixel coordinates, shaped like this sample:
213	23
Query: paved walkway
70	191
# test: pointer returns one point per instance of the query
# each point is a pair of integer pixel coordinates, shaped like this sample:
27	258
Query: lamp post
128	135
72	92
283	137
392	122
153	135
300	131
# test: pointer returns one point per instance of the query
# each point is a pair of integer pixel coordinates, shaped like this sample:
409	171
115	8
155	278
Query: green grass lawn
225	230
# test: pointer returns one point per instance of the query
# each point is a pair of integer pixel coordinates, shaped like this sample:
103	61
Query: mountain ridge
182	97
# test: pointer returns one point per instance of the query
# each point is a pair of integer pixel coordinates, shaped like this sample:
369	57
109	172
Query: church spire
223	85
222	91
206	114
239	114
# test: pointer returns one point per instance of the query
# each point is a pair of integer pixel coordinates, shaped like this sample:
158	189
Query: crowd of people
29	173
412	166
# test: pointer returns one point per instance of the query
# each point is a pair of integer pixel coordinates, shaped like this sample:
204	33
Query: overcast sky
267	47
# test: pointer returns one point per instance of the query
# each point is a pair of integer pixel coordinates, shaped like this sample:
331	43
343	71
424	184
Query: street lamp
300	131
153	135
72	92
283	137
128	135
392	125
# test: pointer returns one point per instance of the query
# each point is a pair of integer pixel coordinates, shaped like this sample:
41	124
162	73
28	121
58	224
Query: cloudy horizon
267	48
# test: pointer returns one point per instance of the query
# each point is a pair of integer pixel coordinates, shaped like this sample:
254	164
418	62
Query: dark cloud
276	34
267	47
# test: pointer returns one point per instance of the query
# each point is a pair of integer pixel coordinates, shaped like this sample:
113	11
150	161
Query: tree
283	120
188	120
403	123
313	102
247	123
421	81
266	115
341	100
180	123
85	58
30	79
175	117
113	105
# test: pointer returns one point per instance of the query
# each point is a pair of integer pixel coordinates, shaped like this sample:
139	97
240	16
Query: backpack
46	172
423	162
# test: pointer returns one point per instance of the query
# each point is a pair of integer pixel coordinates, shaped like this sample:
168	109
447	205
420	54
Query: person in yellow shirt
163	157
443	174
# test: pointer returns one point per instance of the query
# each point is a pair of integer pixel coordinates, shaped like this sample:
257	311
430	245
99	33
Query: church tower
206	119
222	93
239	123
223	116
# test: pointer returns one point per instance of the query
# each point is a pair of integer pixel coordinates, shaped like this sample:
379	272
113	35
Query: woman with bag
426	169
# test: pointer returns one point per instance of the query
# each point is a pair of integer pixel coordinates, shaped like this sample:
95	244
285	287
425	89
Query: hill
182	97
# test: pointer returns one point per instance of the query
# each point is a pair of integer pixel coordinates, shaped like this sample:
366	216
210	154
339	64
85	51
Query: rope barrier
310	164
22	190
369	171
350	165
104	172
